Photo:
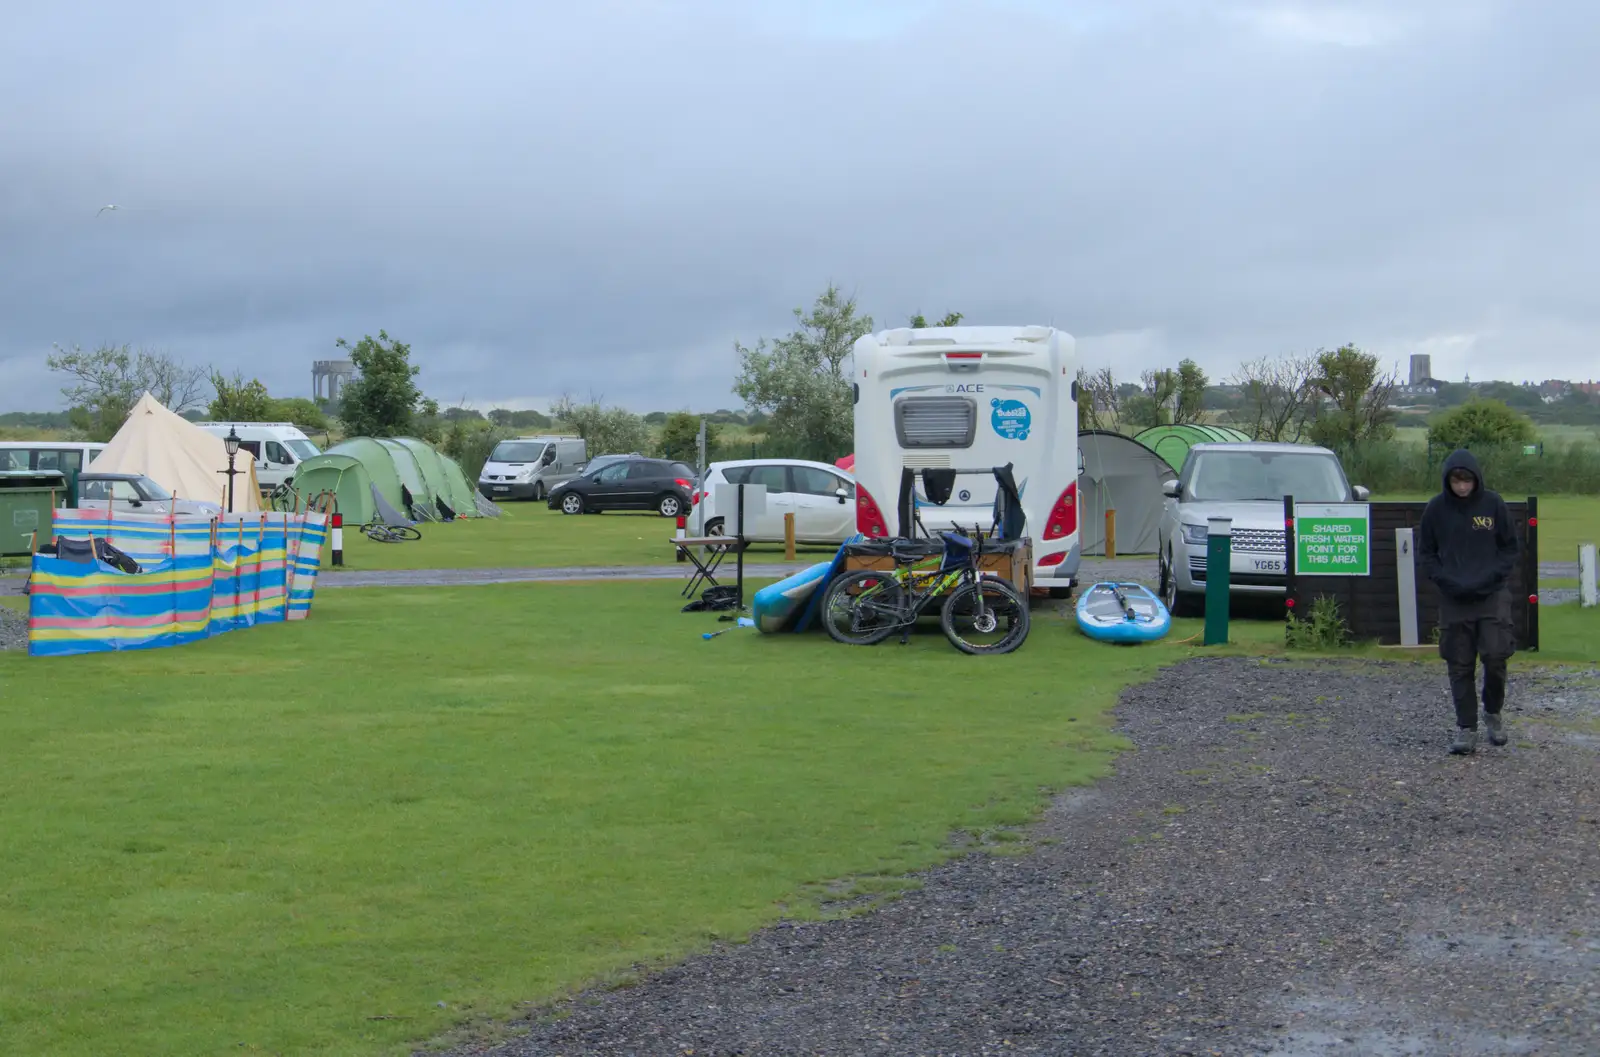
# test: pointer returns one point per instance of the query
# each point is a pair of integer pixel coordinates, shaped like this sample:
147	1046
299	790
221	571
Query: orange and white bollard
338	539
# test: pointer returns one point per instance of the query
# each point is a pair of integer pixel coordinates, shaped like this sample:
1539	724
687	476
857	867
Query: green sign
1332	539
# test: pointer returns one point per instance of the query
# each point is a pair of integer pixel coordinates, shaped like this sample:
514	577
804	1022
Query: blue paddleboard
1117	612
777	607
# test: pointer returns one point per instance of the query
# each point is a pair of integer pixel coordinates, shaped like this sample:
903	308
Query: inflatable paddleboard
834	568
1115	612
777	607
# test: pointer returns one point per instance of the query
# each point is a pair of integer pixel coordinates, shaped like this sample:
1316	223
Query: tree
605	430
800	380
1480	423
1153	404
680	437
382	399
1279	400
238	400
301	411
107	382
520	419
950	319
1189	393
1358	396
1099	399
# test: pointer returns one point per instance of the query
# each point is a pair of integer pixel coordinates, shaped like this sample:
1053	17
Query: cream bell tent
179	456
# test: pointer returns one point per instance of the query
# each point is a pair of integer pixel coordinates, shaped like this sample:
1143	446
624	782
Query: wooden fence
1374	606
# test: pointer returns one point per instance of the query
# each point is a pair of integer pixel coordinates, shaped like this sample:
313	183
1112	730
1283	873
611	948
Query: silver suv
1245	482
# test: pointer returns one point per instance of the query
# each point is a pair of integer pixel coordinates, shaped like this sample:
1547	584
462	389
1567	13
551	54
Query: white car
821	498
136	494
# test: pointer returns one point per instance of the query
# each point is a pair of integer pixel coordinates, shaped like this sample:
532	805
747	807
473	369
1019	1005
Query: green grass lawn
1564	522
304	838
532	535
477	796
1548	433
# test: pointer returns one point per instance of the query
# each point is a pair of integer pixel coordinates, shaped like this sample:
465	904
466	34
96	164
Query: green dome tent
1172	442
343	475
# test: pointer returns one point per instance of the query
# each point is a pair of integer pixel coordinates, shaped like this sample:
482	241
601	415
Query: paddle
1122	603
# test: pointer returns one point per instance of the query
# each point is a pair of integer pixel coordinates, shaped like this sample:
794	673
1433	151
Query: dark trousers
1468	634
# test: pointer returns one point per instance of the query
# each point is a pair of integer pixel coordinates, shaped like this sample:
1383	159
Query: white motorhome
277	447
972	398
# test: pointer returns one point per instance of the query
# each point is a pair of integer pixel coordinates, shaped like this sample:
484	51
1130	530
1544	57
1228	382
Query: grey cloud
602	197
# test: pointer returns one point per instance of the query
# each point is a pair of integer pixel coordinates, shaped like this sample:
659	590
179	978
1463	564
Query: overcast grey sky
601	197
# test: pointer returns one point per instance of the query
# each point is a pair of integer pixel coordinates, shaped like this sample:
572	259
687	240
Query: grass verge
533	536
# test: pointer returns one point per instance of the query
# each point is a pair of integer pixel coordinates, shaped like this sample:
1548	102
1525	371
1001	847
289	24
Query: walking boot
1465	742
1497	728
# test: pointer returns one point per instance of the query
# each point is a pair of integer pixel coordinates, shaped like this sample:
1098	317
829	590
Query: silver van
528	467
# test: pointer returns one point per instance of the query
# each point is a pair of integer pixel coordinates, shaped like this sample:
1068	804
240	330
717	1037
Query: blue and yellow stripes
198	578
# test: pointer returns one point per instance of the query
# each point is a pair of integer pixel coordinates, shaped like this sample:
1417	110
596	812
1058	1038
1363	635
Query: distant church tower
1421	370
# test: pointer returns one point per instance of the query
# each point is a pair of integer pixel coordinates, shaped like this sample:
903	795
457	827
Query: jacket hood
1460	459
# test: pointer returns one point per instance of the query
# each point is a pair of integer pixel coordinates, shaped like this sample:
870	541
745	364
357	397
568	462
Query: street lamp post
231	442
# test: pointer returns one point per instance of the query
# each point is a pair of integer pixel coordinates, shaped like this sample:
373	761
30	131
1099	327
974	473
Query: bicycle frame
922	585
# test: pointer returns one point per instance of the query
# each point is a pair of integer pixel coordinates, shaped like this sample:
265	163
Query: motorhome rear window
935	421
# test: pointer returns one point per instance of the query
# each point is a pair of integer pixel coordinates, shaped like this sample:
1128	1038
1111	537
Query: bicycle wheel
405	532
985	616
379	534
863	608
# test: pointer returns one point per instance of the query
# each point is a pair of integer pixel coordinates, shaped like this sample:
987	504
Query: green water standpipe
1219	558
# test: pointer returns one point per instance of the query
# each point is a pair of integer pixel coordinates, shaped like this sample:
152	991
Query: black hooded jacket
1468	547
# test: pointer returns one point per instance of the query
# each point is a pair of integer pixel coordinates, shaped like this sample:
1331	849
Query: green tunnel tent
463	497
379	464
343	475
405	466
1172	443
433	475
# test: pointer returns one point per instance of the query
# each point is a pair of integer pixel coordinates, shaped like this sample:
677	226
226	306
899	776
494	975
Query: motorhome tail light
1052	559
963	361
1063	519
869	519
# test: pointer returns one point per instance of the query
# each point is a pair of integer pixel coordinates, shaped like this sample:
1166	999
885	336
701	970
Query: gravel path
1287	864
13	630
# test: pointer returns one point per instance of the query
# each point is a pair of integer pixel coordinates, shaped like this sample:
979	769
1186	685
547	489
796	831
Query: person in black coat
1468	547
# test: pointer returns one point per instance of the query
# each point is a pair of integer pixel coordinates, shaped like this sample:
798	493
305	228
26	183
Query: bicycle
875	604
378	532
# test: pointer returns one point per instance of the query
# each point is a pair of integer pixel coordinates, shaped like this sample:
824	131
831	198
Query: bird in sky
124	209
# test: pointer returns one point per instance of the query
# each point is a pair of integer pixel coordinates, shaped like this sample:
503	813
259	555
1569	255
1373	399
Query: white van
278	448
972	398
528	467
71	457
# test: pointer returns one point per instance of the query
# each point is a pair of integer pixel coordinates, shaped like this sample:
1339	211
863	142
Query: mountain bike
381	533
981	613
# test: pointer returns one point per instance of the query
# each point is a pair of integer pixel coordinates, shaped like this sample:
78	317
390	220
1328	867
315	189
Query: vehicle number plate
502	488
1269	565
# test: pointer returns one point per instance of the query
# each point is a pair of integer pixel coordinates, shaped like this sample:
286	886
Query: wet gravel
13	629
1287	863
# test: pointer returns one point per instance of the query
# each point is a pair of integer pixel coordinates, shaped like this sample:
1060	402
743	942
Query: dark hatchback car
630	484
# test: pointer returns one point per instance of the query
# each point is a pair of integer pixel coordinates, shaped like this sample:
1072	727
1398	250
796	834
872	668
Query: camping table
705	570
